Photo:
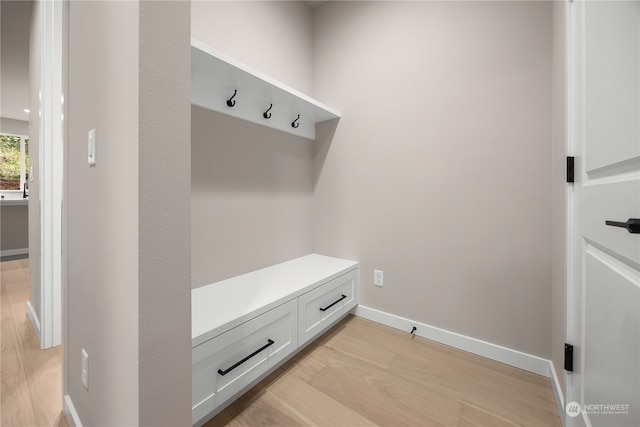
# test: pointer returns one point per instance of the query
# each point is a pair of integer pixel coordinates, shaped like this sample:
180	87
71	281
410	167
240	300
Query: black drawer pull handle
332	304
632	225
226	371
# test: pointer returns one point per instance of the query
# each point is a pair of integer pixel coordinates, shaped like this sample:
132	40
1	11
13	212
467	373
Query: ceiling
14	59
315	4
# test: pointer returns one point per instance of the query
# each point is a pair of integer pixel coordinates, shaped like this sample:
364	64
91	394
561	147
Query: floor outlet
378	278
85	369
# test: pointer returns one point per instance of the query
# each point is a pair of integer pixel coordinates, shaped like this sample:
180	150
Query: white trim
557	392
34	320
496	352
50	176
70	412
12	252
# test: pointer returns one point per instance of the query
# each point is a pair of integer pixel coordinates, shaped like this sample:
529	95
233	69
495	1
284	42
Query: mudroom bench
244	327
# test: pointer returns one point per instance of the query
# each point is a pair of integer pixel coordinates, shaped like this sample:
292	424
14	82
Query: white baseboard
70	412
13	252
35	322
496	352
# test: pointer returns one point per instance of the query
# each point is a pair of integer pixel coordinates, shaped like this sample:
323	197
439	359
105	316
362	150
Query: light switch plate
91	147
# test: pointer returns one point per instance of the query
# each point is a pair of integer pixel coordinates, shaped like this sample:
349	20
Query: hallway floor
361	373
31	393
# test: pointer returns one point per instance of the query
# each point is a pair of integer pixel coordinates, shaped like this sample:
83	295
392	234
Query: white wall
34	156
128	292
251	186
439	172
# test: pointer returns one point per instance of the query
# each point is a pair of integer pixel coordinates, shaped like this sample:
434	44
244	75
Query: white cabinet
244	327
320	307
222	366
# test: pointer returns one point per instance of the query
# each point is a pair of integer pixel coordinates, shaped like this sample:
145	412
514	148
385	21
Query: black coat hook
294	124
230	101
266	114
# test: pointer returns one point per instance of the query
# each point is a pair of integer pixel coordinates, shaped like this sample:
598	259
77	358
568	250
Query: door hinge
570	169
568	357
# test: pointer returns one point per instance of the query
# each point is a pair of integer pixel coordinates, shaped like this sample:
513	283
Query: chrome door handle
632	225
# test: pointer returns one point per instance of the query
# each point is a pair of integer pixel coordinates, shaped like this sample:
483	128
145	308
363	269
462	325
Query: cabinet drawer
222	366
324	305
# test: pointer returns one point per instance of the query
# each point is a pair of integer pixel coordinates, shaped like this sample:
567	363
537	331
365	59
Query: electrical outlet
85	369
378	278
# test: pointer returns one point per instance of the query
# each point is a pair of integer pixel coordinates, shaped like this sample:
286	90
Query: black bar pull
632	225
226	371
332	304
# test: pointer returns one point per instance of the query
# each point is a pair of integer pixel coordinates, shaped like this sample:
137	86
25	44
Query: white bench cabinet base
222	366
246	326
324	305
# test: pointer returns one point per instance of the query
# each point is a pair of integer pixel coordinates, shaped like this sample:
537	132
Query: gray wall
558	299
102	206
14	58
439	172
164	248
15	219
251	186
128	294
14	227
17	127
273	37
251	196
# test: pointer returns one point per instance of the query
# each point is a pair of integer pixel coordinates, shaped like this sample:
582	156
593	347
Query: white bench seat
246	326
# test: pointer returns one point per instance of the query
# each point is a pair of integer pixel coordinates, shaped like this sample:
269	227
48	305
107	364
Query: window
14	161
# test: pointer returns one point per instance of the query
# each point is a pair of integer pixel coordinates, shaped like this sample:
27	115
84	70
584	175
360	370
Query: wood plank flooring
364	374
31	390
358	374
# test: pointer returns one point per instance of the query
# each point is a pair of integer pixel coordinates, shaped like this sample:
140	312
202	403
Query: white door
603	290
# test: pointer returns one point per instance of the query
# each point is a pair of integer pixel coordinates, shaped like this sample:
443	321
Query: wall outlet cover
378	278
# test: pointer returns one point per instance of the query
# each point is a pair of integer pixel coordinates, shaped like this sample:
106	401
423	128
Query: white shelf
220	306
215	76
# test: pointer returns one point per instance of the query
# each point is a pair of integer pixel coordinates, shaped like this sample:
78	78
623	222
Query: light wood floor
365	374
31	391
358	374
